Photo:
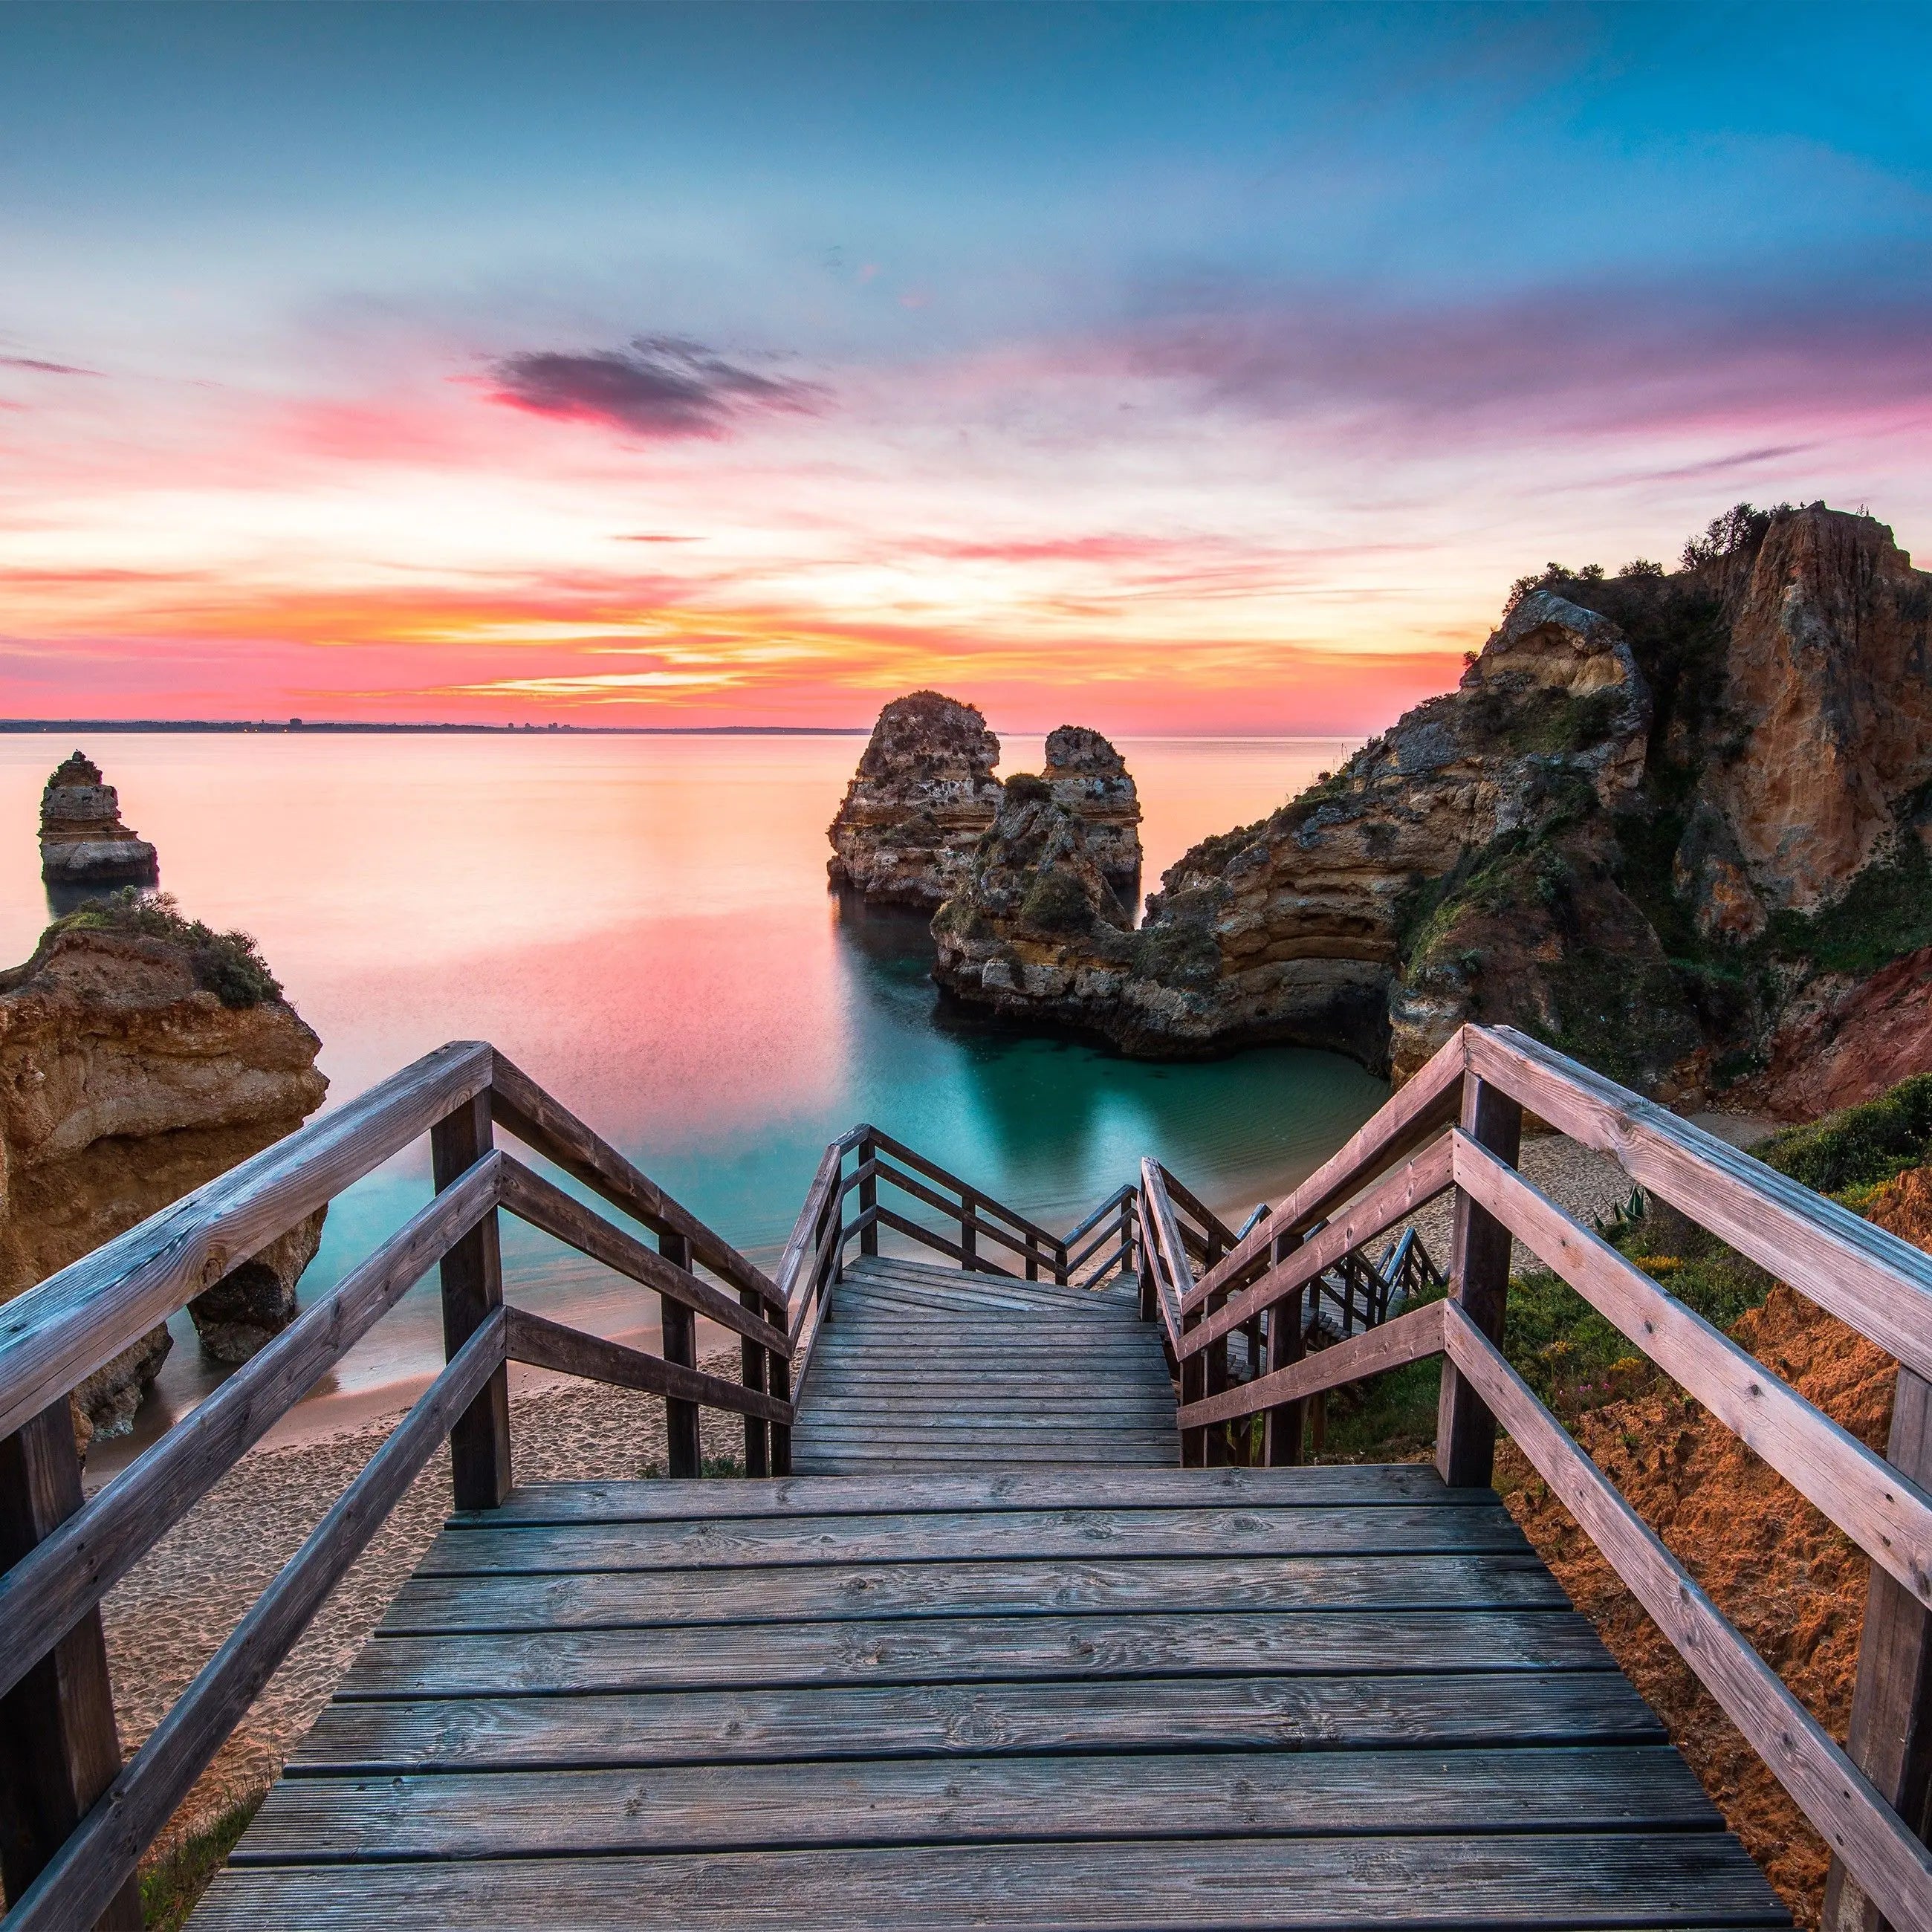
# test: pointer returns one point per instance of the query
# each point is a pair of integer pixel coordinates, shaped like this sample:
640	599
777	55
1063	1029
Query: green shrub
1057	902
228	964
1858	1148
1026	788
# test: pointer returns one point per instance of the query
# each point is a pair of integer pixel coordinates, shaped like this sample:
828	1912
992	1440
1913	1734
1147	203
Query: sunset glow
1192	369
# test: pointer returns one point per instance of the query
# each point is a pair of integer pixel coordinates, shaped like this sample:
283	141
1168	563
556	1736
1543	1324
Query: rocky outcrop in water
923	794
1090	778
1658	809
141	1055
82	840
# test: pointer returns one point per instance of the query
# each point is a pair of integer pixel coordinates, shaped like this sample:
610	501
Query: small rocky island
1676	823
82	840
142	1054
925	797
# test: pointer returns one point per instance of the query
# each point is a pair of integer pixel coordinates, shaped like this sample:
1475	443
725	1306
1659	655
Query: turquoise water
642	923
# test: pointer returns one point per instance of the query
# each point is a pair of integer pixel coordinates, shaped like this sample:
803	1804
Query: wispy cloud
660	385
39	368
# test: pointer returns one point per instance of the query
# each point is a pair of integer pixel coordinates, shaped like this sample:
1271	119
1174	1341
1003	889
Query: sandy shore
166	1618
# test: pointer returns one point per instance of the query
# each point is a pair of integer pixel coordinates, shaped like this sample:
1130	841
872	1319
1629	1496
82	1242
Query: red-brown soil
1792	1583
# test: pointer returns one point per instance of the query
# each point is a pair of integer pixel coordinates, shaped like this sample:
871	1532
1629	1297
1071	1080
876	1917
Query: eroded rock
1086	775
82	840
126	1080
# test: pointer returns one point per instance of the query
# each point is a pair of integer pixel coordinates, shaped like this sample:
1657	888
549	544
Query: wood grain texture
1230	1795
99	1858
1873	1500
1408	1338
1894	1869
55	1335
569	1351
843	1592
471	1276
65	1575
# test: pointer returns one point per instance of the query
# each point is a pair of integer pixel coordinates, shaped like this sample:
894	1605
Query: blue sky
1173	348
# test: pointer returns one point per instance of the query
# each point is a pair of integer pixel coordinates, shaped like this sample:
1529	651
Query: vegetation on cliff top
228	964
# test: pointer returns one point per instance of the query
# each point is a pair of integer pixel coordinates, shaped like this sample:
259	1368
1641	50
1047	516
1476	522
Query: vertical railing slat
471	1276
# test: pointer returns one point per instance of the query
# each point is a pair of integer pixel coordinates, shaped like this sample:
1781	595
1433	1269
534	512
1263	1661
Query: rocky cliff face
1088	776
141	1055
923	794
1657	810
82	840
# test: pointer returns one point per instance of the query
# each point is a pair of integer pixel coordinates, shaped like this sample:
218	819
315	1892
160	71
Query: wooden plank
471	1274
933	1171
1360	1486
100	1856
1479	1264
543	1204
1879	1284
540	1123
964	1650
1873	1502
1412	1187
570	1351
46	1591
59	1749
1015	1535
1233	1795
1668	1881
1893	1867
1408	1338
650	1727
842	1591
1425	1103
1173	1276
885	1217
54	1336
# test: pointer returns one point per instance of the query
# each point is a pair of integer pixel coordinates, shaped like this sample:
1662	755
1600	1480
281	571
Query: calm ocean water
642	923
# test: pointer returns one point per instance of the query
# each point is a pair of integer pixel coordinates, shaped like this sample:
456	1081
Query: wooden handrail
1167	1253
1125	1191
934	1172
54	1337
570	1351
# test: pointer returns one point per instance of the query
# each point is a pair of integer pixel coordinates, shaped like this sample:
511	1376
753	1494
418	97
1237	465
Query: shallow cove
642	923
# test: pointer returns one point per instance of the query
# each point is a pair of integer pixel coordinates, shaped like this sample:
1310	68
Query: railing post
1214	1381
472	1276
685	1453
1891	1736
1150	1290
1281	1426
969	1234
1465	1431
751	1368
58	1747
777	1382
868	1199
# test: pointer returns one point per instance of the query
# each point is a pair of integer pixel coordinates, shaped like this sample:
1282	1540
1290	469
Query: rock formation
82	840
1658	809
141	1055
1086	775
923	793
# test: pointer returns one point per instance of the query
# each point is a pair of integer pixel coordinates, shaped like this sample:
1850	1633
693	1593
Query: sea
642	923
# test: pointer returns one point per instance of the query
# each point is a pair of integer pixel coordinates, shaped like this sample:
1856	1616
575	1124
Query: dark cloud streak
657	386
34	363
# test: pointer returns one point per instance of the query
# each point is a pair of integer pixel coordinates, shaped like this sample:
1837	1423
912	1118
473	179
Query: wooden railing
1455	1126
75	1821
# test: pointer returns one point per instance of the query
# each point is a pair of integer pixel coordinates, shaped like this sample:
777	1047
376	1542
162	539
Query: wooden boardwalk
992	1661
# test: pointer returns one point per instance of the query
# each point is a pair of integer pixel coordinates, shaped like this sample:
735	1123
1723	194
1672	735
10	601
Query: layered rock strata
126	1080
1658	809
923	794
82	840
1086	775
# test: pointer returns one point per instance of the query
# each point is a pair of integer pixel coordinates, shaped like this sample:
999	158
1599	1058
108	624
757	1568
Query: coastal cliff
141	1055
82	840
1660	811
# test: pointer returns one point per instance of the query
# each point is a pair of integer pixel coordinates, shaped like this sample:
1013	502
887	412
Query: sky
1181	368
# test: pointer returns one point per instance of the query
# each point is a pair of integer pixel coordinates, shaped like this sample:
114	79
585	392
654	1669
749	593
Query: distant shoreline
298	726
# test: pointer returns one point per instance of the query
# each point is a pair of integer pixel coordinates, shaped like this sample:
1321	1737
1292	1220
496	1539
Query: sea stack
1086	774
82	840
142	1054
923	794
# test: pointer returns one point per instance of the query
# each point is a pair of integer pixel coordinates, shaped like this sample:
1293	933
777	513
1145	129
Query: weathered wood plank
1408	1338
54	1336
1014	1535
645	1727
472	1281
1666	1881
570	1351
1882	1510
1302	1794
1894	1869
963	1650
932	1171
521	1106
1320	1485
99	1858
844	1590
